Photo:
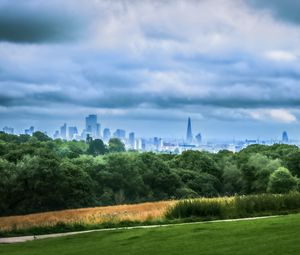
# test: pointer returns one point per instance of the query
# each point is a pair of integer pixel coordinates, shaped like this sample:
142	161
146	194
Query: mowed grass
280	235
96	215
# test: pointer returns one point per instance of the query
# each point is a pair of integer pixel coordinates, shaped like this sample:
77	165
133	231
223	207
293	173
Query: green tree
256	172
40	136
7	184
282	181
115	145
96	147
232	179
197	161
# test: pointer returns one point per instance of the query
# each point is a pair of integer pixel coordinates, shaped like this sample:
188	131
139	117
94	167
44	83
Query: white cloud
279	115
281	55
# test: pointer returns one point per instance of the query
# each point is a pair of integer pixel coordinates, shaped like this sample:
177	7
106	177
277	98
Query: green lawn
266	236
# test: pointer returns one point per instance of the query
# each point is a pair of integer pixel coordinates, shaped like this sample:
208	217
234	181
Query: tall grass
209	208
88	216
239	206
150	213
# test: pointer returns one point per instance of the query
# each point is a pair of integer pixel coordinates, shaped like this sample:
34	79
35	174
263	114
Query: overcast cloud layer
148	65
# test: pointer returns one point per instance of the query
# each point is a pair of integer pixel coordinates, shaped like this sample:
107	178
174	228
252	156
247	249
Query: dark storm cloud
285	9
35	23
131	100
148	60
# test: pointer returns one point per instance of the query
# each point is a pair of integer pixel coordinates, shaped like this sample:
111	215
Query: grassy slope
268	236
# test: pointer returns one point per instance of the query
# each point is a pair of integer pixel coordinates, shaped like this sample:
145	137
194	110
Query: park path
21	239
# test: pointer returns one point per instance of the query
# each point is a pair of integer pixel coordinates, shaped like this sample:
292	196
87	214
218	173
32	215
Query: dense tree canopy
282	181
40	174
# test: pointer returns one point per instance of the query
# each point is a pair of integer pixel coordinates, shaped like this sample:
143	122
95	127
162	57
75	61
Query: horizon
81	128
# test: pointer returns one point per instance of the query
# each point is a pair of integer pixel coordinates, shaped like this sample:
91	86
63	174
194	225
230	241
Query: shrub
239	206
282	181
200	208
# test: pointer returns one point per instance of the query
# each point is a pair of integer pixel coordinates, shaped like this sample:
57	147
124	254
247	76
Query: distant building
92	127
199	138
120	134
56	135
73	132
249	142
29	131
189	134
157	142
8	130
285	137
131	140
143	144
63	131
106	134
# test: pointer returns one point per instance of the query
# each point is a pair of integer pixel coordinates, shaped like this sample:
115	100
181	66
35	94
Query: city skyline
147	66
94	129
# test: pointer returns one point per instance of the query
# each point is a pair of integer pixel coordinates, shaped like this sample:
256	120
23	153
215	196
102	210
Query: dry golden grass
135	212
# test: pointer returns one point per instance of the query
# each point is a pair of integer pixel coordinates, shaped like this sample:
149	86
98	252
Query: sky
233	66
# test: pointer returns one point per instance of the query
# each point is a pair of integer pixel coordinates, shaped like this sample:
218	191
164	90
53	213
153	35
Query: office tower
92	127
144	144
120	134
285	137
189	134
63	132
132	140
98	131
199	138
157	142
56	134
29	131
8	130
106	134
72	132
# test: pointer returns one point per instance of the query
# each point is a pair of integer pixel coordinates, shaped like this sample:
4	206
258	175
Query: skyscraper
8	130
199	138
29	131
106	134
72	132
285	137
120	134
56	135
63	131
91	126
132	140
189	134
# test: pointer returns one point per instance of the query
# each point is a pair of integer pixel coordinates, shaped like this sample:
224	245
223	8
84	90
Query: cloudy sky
232	65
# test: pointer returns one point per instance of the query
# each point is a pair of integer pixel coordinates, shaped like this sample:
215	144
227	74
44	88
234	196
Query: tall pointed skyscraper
189	134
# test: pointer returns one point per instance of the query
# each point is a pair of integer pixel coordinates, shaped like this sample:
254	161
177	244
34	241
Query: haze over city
146	66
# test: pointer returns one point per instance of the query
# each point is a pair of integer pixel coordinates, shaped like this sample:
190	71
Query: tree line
41	174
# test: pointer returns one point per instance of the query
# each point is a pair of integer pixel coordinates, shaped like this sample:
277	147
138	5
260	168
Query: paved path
21	239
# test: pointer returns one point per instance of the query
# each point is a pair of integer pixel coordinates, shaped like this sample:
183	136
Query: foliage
200	208
115	145
38	173
282	181
239	206
96	147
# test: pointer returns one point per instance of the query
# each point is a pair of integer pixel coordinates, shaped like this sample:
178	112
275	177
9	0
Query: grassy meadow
89	216
164	212
274	236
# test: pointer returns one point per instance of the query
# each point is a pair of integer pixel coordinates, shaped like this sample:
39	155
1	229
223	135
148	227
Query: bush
282	181
209	208
239	206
